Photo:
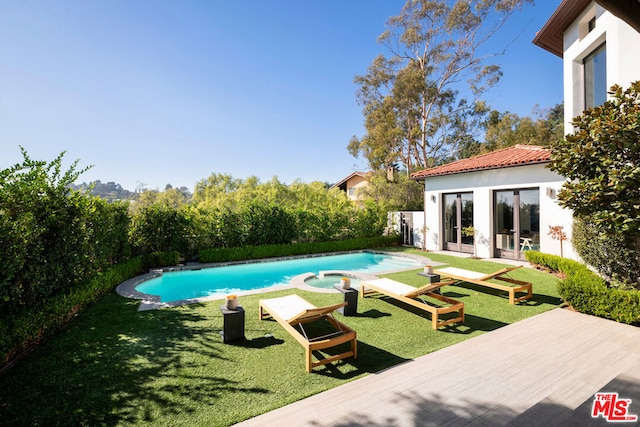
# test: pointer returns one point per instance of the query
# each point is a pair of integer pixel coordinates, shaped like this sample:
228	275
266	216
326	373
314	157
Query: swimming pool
220	281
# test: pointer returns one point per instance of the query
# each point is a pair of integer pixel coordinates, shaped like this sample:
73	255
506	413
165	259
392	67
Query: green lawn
114	365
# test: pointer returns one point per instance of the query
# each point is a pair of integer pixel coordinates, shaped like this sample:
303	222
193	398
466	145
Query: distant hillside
109	191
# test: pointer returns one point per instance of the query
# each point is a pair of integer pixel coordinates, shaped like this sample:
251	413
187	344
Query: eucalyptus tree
544	127
423	98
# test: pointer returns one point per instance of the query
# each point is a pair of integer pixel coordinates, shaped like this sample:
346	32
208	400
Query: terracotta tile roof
518	155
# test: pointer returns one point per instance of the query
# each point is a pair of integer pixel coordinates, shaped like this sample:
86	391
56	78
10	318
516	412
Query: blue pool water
219	281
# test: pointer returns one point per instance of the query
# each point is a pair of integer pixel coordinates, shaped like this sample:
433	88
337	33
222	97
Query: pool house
509	198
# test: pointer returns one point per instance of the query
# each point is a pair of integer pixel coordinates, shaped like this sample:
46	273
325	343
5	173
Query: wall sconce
551	192
433	198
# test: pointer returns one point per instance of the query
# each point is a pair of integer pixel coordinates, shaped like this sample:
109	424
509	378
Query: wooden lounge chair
414	296
293	313
482	279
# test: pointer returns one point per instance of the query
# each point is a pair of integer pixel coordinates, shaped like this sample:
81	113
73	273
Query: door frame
512	239
458	246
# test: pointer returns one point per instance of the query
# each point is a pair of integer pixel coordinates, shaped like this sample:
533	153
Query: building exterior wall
483	184
394	225
623	60
354	184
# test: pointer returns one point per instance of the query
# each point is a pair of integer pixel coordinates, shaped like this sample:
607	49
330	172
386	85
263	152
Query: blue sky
152	92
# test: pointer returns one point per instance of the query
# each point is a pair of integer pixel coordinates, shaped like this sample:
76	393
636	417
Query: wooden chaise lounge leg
309	363
523	287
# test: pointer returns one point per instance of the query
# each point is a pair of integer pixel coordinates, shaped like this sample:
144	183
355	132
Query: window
592	24
595	77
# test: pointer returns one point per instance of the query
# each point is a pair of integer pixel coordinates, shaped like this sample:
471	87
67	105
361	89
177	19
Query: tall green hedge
32	323
51	237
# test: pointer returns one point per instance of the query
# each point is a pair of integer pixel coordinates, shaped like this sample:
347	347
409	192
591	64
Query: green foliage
411	100
614	256
268	251
601	161
234	213
401	194
108	233
264	224
508	129
160	228
31	324
52	237
170	197
160	259
589	293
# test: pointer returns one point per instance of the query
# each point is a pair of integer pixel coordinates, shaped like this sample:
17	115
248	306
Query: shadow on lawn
537	299
370	360
471	323
115	365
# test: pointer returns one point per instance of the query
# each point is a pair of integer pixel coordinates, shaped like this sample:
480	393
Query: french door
458	218
516	222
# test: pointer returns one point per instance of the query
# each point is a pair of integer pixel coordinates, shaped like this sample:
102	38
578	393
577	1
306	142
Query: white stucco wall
623	56
482	184
393	225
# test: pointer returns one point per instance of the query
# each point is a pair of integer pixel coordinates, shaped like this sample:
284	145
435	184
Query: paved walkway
544	370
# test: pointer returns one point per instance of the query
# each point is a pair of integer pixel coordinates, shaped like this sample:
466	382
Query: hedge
587	292
23	330
268	251
160	259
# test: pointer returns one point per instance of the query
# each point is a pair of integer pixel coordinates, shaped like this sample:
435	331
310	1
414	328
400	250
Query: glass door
529	221
504	224
466	219
451	228
517	222
458	216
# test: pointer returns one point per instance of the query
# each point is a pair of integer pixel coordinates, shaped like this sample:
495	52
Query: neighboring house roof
342	183
551	36
517	155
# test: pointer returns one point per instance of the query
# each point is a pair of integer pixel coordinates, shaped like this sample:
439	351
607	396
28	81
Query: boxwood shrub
587	292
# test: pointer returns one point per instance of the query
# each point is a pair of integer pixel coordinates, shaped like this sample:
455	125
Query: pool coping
127	288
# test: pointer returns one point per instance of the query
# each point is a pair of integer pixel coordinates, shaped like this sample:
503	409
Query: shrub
588	293
30	325
52	237
613	255
160	259
160	228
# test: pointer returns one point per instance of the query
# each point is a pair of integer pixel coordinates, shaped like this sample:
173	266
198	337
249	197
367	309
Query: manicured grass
114	365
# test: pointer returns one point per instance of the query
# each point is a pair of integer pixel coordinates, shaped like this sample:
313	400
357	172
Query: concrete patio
544	370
